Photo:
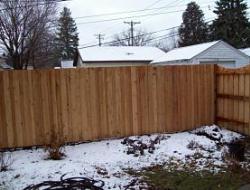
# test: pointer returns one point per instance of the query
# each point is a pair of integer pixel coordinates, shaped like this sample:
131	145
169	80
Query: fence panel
233	98
98	103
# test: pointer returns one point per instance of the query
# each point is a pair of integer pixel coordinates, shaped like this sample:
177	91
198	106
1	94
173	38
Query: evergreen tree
67	36
193	30
232	24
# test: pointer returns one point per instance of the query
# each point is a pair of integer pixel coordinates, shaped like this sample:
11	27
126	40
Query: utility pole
132	23
100	37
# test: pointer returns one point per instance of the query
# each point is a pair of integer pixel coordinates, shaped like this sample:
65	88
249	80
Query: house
117	56
217	52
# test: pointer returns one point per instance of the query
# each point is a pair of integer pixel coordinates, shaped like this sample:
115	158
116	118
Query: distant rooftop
120	53
246	51
185	53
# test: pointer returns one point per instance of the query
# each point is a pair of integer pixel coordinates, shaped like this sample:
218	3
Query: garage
216	52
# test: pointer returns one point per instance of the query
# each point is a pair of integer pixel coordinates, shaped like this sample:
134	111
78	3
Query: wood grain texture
233	98
99	103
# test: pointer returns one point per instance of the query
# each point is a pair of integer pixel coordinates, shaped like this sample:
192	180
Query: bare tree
141	38
168	42
173	38
24	29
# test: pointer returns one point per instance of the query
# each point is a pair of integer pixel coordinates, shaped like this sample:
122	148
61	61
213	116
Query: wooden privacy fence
99	103
233	99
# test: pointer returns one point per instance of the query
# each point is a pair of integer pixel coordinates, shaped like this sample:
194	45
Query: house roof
185	53
120	53
246	51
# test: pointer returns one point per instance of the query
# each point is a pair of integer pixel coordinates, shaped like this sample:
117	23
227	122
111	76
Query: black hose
74	183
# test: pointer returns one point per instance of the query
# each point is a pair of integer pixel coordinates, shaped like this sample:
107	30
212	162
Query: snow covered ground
107	160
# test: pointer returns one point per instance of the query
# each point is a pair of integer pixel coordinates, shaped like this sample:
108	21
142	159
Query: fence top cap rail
110	68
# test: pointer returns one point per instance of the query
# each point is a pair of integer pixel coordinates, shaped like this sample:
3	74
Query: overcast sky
168	15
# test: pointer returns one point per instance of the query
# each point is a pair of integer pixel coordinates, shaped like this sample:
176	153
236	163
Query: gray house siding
222	54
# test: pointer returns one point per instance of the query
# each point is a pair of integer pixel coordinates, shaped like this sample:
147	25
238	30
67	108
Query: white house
109	56
217	52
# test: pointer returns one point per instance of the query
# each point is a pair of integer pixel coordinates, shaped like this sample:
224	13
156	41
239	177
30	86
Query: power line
110	42
148	33
128	17
121	18
136	16
128	12
168	5
151	5
86	45
120	13
133	11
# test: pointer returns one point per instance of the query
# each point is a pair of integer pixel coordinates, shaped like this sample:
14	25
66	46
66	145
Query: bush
55	148
5	161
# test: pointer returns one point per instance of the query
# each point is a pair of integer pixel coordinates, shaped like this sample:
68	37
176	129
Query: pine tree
232	24
67	36
193	30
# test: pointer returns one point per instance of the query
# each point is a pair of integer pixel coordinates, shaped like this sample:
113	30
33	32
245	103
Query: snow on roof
184	53
120	53
246	51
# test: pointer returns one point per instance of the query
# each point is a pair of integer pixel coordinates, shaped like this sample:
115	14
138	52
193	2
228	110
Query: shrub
55	148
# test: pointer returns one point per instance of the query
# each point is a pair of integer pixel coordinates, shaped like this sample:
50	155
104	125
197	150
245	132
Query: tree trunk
17	63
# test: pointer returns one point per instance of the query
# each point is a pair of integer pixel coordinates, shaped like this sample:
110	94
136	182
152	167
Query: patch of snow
31	166
225	136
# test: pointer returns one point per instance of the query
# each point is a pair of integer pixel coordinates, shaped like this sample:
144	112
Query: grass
179	175
159	178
